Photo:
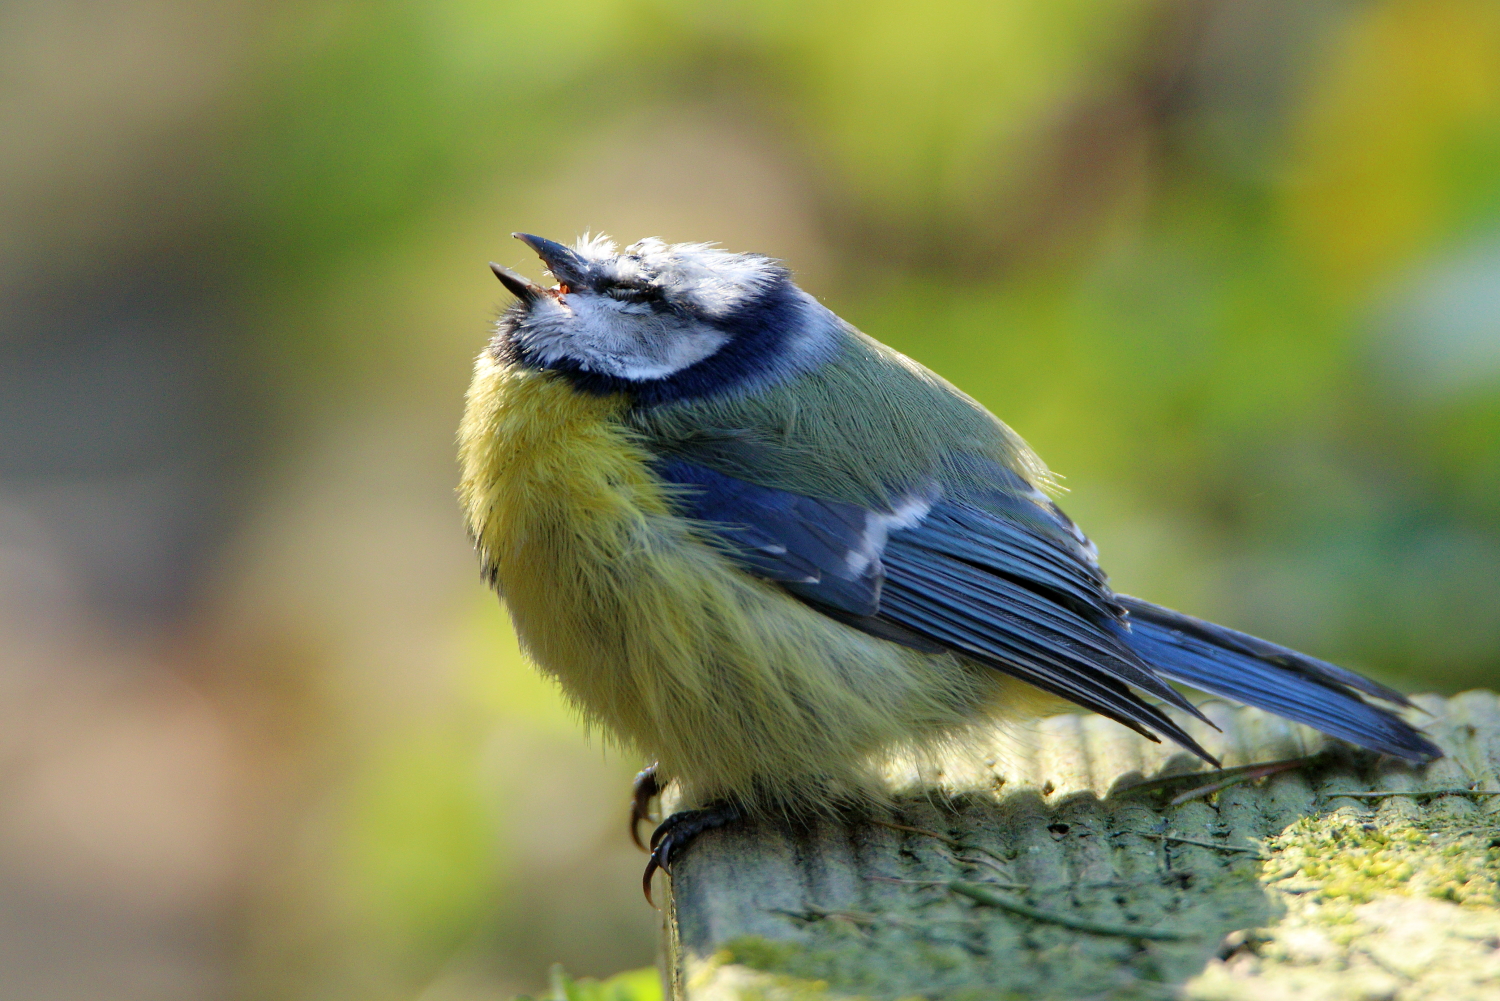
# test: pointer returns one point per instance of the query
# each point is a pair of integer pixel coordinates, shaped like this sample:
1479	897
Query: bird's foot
643	791
678	831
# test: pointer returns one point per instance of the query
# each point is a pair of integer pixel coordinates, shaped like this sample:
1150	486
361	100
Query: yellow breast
541	460
734	686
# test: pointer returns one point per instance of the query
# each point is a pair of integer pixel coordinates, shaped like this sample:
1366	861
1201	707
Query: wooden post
1083	862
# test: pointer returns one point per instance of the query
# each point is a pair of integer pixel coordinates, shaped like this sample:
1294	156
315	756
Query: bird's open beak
519	286
566	266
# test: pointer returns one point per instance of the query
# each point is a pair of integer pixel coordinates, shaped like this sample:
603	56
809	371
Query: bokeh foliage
1232	267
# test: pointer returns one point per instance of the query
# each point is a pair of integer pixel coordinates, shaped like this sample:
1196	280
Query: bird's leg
678	831
645	789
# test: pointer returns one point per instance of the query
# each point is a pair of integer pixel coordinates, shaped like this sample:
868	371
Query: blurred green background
1232	266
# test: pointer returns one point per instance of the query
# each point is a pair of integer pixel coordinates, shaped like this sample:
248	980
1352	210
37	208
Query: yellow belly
733	686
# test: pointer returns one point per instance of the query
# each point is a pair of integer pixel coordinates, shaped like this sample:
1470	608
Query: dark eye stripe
629	293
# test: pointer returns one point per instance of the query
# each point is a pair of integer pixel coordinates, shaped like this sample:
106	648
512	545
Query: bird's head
660	321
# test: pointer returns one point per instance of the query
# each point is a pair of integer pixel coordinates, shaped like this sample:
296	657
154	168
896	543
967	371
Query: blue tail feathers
1250	670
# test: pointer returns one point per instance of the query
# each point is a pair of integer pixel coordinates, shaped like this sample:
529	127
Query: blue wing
910	579
1001	576
815	548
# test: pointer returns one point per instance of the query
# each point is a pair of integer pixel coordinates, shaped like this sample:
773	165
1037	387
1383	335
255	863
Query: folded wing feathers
1007	580
986	541
1096	691
1014	621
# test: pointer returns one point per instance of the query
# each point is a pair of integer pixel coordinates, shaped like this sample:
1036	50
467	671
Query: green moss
764	954
632	985
765	972
1372	910
1354	862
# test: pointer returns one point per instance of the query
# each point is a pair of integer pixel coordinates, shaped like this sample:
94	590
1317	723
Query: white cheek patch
908	513
603	335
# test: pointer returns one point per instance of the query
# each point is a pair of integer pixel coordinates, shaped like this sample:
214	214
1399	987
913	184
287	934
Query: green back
868	423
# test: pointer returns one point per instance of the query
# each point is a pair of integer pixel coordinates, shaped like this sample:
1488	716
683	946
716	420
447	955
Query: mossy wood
1082	862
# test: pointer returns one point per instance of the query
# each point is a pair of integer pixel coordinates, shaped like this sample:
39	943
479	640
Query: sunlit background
1232	266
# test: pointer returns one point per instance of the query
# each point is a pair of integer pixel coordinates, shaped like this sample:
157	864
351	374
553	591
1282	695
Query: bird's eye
632	293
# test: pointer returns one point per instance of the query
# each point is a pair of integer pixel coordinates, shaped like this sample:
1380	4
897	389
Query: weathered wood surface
1298	885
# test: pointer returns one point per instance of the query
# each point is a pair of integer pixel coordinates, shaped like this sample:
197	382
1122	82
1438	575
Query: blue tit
769	552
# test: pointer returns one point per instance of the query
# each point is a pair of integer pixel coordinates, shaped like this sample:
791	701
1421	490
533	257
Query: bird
768	552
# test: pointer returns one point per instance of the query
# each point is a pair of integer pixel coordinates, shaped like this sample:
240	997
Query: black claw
651	866
645	789
678	831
